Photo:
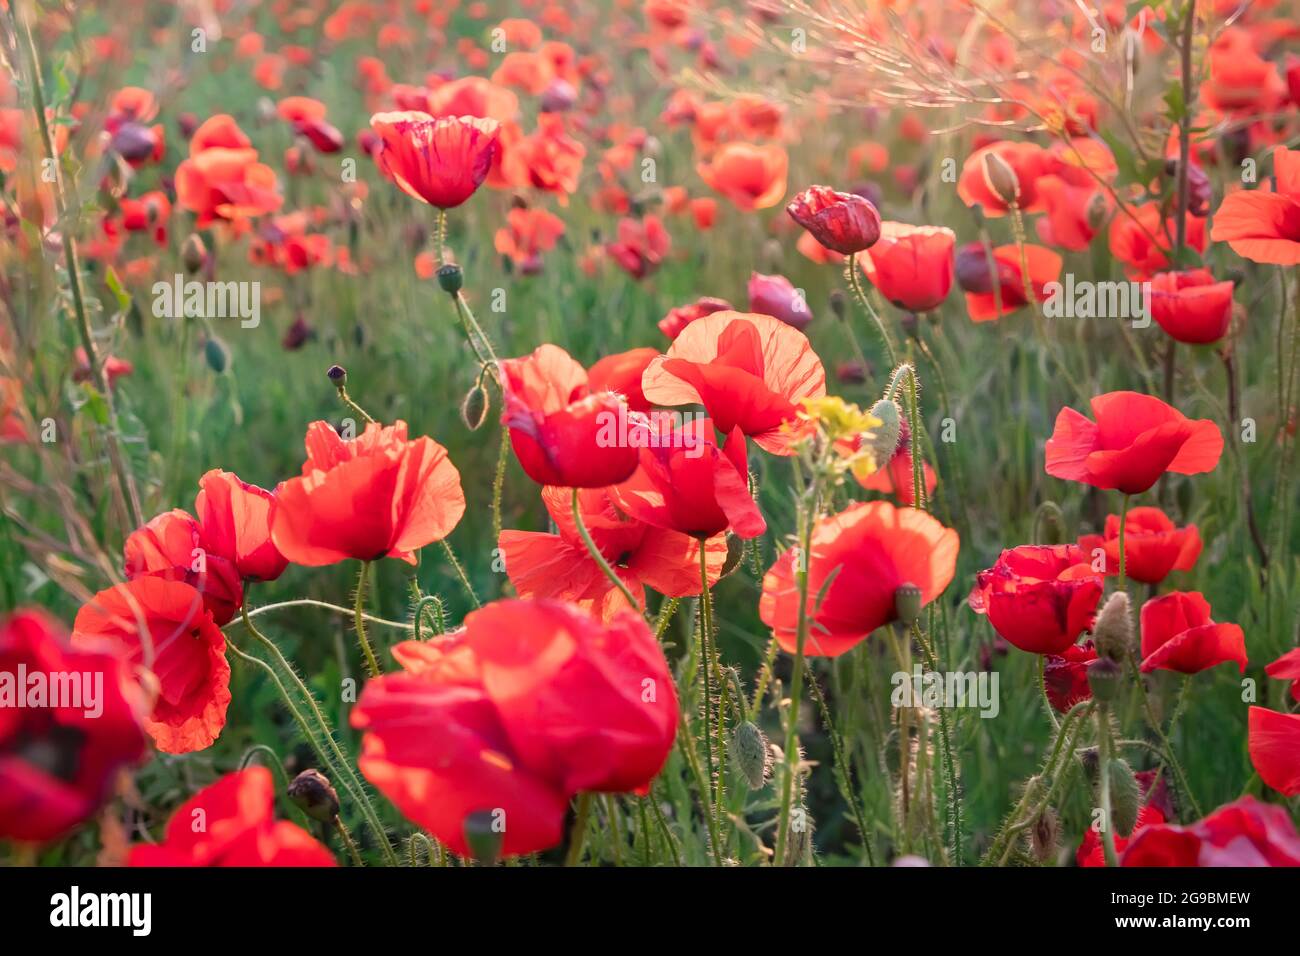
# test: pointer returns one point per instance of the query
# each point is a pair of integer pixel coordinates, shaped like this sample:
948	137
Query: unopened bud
193	253
1001	178
752	754
1104	677
885	436
311	791
1125	797
735	551
1096	211
474	407
1112	633
217	354
1044	835
839	303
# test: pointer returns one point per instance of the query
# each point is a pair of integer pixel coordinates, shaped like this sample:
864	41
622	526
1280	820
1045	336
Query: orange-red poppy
1264	226
439	161
752	177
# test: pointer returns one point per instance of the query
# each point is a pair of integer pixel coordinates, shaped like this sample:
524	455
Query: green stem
714	732
346	837
600	558
1103	785
855	283
372	663
578	835
460	572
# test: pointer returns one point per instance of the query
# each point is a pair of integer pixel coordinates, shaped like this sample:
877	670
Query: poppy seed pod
907	602
311	791
1104	676
451	278
752	754
483	837
1113	631
337	375
886	435
217	354
1000	178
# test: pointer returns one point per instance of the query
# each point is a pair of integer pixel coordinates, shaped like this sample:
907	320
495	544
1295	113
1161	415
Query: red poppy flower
641	245
1072	212
752	177
1287	667
238	829
1178	635
1027	161
60	757
976	280
1274	742
871	548
542	565
1092	854
1153	546
548	159
776	296
527	234
912	266
622	373
1191	306
688	483
677	319
218	132
1264	226
226	185
1134	440
437	161
1243	833
171	547
747	370
408	492
844	222
235	524
563	432
1065	675
1142	240
1241	81
181	645
533	702
1038	597
307	116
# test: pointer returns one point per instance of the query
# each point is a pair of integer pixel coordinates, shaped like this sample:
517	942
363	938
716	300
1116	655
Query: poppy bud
798	848
735	552
1043	835
474	408
1001	178
907	602
1104	677
839	303
1096	211
1048	519
483	837
886	435
1125	796
311	791
451	278
752	755
217	354
1112	633
194	253
337	375
772	255
1090	760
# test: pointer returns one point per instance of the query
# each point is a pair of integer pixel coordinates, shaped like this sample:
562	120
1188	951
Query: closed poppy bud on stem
885	436
217	354
1113	631
1044	834
752	754
311	791
1001	178
1096	212
735	552
474	408
1125	797
194	253
839	303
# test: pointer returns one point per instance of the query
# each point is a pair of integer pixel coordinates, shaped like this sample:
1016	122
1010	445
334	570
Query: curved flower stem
855	283
600	558
337	608
1042	688
460	572
666	612
346	837
1103	784
439	623
356	409
372	663
578	835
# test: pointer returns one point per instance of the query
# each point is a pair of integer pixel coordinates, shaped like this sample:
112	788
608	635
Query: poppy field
650	433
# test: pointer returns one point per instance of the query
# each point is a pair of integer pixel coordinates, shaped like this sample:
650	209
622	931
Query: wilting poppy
678	318
1134	440
1153	545
1274	744
180	644
1005	285
752	177
687	482
857	561
532	701
1264	226
843	222
542	565
745	369
562	431
379	495
239	829
912	266
439	161
1065	675
170	546
776	296
622	373
235	524
1242	833
1191	306
1287	667
61	753
1038	597
1178	635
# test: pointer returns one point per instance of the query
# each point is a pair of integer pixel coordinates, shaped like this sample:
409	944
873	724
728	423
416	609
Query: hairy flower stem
1123	520
460	572
713	677
372	663
356	409
855	283
1103	783
1042	689
600	558
346	837
578	835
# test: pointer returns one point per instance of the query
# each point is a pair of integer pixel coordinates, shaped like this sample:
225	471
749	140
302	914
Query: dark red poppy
677	319
60	754
1243	833
844	222
163	625
1039	597
776	296
747	370
1191	306
437	161
1065	675
171	547
1153	546
622	373
858	560
542	565
912	266
534	701
1134	440
687	482
235	523
408	491
562	431
1178	635
1287	667
232	823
